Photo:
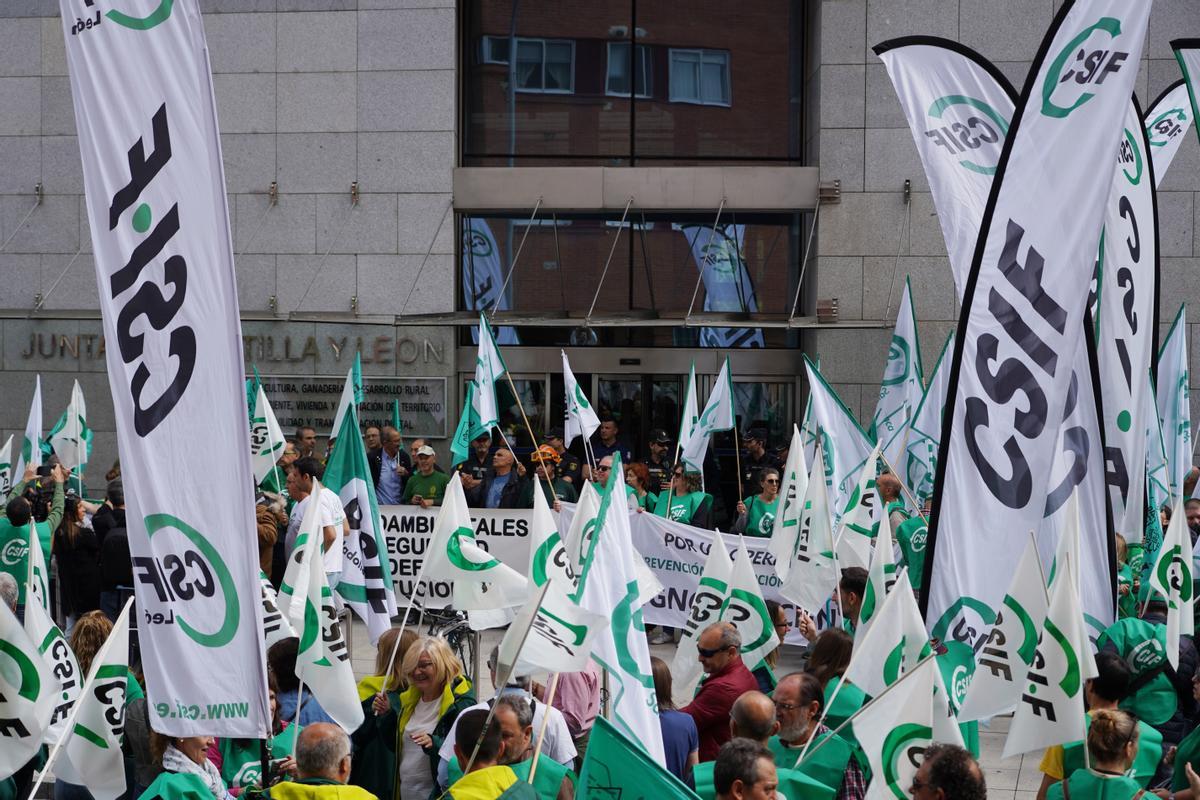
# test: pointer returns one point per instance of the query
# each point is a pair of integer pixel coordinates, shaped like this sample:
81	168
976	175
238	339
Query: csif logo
92	17
967	126
191	578
903	749
14	553
1166	127
1083	62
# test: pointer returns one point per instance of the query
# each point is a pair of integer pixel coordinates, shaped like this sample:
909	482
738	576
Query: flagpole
850	718
841	678
549	701
737	459
528	427
69	727
903	487
300	702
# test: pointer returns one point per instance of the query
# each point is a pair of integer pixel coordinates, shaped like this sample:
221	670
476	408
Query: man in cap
568	467
555	489
427	486
658	463
757	459
476	467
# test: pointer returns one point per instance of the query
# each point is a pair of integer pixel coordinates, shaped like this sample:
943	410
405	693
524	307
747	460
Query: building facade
634	183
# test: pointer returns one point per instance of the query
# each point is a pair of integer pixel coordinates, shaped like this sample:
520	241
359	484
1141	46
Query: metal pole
804	261
516	257
700	277
616	238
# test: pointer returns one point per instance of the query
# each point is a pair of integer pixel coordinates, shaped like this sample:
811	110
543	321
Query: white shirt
558	745
416	781
329	514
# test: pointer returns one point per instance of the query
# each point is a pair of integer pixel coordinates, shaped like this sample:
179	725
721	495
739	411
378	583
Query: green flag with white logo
469	427
353	393
616	767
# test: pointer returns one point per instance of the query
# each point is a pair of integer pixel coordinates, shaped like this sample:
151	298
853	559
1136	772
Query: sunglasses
771	480
707	653
603	469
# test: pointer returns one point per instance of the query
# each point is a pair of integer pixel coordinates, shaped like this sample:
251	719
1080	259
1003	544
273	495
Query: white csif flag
895	729
583	526
718	415
481	582
745	608
919	467
150	145
39	574
489	368
70	442
812	562
61	661
1008	651
1022	324
707	602
91	755
1174	406
844	445
31	441
881	576
690	412
1172	577
581	417
1050	711
903	382
323	660
29	694
893	645
276	626
548	557
266	438
608	585
6	467
1187	53
1166	123
351	396
790	510
560	635
860	519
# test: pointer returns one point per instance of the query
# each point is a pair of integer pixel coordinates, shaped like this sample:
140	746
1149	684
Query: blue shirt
680	739
496	488
388	491
600	450
310	712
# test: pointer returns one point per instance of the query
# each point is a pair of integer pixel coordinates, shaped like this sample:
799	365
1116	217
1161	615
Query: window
546	65
700	76
618	70
493	49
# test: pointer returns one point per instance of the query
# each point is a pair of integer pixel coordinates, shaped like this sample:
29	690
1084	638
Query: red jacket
710	708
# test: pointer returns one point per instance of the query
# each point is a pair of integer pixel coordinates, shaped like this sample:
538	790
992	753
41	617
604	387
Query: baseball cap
553	433
659	436
486	435
755	434
425	450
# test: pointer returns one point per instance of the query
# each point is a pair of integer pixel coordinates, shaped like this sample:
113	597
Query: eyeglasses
707	653
787	626
771	480
603	468
787	706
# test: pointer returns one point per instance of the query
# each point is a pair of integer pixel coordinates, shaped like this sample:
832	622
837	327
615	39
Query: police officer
756	460
568	467
658	463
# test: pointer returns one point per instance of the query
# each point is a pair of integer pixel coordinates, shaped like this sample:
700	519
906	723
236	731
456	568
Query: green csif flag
396	423
616	767
469	427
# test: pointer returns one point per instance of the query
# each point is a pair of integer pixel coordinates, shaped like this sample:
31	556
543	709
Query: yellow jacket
318	789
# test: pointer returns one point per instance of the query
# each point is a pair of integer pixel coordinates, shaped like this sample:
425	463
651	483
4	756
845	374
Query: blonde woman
415	720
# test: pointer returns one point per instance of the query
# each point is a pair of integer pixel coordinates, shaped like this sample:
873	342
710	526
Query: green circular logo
231	615
30	683
902	748
970	132
1059	73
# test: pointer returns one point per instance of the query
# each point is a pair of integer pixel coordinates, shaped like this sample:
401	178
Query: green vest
849	700
678	509
826	766
241	759
1143	645
957	665
1188	753
1086	785
177	786
792	783
760	516
911	535
1126	603
14	550
1145	764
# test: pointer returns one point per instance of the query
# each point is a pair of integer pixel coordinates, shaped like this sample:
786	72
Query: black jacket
375	462
78	570
510	495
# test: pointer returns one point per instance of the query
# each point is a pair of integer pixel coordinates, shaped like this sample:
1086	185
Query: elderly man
8	591
373	438
728	679
390	467
745	771
799	699
503	485
753	717
948	771
306	441
427	486
323	765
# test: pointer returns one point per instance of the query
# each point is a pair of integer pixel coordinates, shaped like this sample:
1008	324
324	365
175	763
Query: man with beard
799	699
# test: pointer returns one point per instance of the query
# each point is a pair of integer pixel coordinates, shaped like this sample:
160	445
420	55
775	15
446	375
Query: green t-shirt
911	535
1086	784
678	509
760	516
431	487
1143	645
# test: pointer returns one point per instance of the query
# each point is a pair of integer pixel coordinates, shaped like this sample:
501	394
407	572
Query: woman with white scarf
187	772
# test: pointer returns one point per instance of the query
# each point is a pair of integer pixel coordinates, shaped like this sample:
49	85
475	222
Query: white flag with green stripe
276	626
29	694
893	645
481	582
903	383
61	661
881	576
789	512
489	368
1051	708
6	467
547	554
1174	406
812	564
1187	53
895	730
39	575
860	518
707	602
323	659
919	465
71	438
690	412
92	755
266	439
31	442
561	633
581	417
1008	651
1172	577
845	446
718	415
353	393
1167	122
583	525
745	607
366	581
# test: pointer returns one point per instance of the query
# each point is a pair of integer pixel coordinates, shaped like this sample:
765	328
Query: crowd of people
740	736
